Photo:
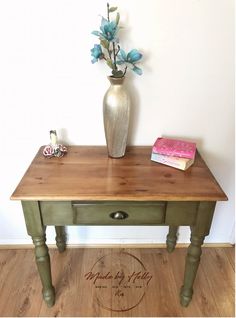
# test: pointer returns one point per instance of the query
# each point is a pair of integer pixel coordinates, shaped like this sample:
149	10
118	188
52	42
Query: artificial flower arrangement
110	50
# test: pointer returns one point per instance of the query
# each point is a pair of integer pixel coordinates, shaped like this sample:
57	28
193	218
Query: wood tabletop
87	173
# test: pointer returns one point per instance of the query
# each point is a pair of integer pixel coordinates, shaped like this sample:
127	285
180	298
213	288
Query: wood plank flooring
20	287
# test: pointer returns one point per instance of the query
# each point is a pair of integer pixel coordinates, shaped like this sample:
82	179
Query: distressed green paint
199	230
57	212
36	230
204	218
171	238
98	213
33	220
181	213
60	238
44	269
138	214
198	215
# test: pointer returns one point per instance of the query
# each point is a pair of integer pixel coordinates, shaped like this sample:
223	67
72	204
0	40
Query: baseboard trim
151	245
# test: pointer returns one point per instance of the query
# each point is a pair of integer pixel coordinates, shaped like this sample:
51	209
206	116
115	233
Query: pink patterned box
175	148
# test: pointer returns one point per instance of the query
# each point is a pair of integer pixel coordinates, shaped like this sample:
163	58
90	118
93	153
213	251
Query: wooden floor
20	288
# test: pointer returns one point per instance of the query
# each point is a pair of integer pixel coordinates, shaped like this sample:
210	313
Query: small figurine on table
54	149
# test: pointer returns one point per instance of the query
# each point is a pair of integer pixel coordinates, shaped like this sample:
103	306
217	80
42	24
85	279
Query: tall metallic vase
116	110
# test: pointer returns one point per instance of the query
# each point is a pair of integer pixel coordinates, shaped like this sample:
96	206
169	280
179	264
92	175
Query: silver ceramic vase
116	110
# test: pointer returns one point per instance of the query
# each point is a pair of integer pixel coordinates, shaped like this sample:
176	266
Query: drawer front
103	213
122	213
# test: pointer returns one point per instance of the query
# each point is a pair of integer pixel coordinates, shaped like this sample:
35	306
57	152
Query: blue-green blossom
134	56
108	30
96	53
109	49
130	60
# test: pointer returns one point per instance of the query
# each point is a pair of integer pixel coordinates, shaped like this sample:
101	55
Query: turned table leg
60	238
191	267
200	229
36	230
44	269
171	238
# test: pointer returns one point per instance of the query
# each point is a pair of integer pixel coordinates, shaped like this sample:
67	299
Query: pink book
174	147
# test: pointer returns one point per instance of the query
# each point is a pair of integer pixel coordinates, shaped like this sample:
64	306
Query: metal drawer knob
118	215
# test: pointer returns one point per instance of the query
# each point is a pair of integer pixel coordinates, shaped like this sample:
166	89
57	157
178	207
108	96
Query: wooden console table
87	188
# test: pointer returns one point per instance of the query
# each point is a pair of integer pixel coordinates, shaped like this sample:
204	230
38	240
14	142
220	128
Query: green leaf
116	73
137	70
117	18
104	43
110	64
96	33
112	9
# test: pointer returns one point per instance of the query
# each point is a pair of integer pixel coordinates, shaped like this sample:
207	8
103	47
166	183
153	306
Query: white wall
48	82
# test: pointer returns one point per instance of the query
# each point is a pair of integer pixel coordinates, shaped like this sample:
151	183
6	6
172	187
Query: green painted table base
171	238
198	215
60	238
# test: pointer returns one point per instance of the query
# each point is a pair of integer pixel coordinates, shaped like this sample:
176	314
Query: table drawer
122	213
103	213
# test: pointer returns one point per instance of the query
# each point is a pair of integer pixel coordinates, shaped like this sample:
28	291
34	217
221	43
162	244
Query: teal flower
134	56
96	53
130	60
109	31
109	49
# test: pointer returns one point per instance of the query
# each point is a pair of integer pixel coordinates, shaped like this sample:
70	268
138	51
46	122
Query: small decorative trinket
54	149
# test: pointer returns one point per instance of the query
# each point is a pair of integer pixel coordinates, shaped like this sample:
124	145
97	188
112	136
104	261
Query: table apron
118	212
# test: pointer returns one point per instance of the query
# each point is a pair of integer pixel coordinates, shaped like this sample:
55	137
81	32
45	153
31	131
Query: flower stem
114	54
125	71
108	16
118	50
109	53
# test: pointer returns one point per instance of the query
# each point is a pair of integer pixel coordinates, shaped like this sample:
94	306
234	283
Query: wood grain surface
87	173
76	297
